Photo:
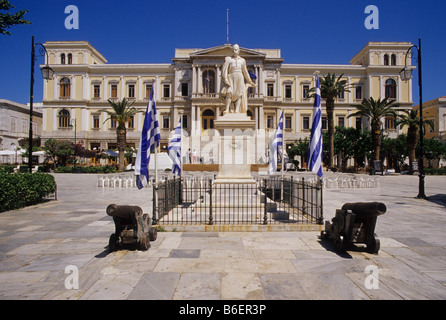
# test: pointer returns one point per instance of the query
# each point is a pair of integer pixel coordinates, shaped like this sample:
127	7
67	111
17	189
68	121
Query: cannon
132	226
355	223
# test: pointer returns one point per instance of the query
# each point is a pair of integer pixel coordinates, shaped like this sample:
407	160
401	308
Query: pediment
224	51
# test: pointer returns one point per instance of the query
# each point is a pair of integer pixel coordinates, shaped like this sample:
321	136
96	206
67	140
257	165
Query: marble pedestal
236	152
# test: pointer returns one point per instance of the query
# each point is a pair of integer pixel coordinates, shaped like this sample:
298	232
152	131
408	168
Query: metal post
265	217
211	220
421	193
31	98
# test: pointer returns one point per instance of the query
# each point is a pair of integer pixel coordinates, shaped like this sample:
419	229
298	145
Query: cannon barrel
366	208
122	211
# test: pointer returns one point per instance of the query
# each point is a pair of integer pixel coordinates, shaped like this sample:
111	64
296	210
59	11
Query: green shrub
435	171
79	169
23	189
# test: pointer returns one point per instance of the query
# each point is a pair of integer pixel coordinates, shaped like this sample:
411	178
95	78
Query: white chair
101	181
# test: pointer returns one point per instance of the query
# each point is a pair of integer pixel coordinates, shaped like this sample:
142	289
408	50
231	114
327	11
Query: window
270	121
324	123
306	123
341	121
358	121
62	58
288	122
305	89
113	123
184	121
95	122
148	90
390	89
13	124
288	91
390	123
341	95
64	118
270	90
131	123
166	91
97	91
184	89
64	88
166	122
208	81
114	91
386	59
70	58
358	92
131	90
393	60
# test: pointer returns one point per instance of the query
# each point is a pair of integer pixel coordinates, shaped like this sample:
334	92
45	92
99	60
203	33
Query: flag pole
283	148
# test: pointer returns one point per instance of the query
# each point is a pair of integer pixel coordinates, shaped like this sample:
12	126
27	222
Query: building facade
435	110
189	88
14	124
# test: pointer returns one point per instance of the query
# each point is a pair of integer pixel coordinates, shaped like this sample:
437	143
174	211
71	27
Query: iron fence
271	200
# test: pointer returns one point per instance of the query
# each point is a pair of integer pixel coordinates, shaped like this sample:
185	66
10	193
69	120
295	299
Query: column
261	122
140	88
105	89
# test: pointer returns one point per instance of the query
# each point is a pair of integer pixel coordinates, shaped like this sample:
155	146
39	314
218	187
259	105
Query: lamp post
47	74
406	74
75	143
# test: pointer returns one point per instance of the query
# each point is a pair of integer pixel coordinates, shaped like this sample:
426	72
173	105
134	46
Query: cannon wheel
144	242
113	243
339	243
374	245
153	233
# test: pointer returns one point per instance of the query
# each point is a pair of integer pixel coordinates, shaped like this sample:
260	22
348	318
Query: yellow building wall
78	87
376	87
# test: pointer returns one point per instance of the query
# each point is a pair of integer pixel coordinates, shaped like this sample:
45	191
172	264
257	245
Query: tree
300	148
8	20
331	88
58	151
411	119
121	113
375	110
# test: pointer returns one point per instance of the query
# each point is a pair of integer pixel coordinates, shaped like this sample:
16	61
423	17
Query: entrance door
207	120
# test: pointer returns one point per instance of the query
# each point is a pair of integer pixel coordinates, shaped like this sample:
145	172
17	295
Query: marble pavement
38	243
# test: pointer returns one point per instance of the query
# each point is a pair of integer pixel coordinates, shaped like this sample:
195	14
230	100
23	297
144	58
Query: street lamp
406	74
47	74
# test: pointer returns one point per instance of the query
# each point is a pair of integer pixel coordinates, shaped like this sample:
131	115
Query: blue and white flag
315	149
174	150
274	147
150	138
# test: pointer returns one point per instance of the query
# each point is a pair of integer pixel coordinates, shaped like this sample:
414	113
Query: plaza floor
38	243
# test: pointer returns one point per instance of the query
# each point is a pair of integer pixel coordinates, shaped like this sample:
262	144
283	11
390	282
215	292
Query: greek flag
150	138
174	150
315	150
274	147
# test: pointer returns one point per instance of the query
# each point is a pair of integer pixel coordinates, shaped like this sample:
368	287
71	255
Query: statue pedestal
236	152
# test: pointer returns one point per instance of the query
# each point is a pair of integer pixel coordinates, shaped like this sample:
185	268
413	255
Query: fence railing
268	201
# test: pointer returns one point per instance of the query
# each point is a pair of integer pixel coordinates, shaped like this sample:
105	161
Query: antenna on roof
227	26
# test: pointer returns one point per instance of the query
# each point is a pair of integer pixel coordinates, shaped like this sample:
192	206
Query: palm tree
375	110
411	119
331	88
122	113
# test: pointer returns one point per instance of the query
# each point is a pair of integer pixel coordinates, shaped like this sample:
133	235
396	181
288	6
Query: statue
234	75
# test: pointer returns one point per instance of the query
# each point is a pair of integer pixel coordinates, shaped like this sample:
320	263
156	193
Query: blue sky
135	31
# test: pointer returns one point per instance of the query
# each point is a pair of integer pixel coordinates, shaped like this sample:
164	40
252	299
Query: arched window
390	90
64	88
70	58
386	59
64	118
62	58
208	81
393	60
208	117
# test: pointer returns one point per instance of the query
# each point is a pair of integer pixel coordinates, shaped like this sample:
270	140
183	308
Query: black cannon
132	227
355	223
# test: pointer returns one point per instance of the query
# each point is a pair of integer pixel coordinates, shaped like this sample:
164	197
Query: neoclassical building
189	87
